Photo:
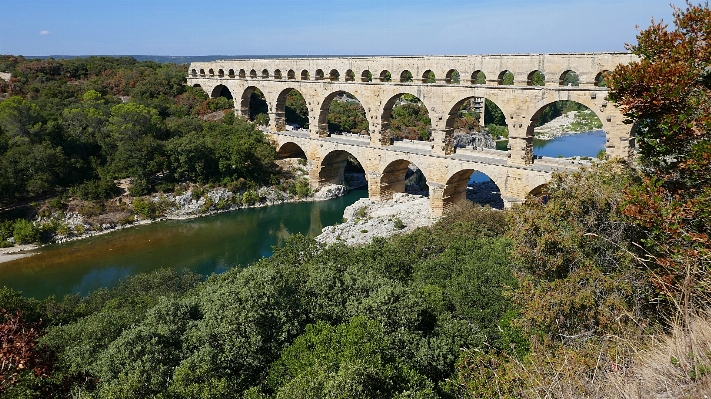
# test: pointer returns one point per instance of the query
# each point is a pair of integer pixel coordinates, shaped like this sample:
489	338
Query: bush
25	232
95	190
146	208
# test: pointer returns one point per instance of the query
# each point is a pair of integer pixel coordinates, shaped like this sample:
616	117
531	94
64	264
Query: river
204	245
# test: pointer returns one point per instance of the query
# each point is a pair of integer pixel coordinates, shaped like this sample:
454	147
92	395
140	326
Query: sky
312	27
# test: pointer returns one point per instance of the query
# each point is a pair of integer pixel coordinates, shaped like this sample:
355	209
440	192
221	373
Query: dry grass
677	365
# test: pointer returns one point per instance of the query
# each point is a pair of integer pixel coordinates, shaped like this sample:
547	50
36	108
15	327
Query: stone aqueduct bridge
447	169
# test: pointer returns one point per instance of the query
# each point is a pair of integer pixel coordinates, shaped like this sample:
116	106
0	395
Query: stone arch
221	91
582	100
193	73
536	78
277	74
452	77
429	77
406	76
305	75
385	76
334	76
319	75
503	80
366	76
350	76
280	110
393	178
538	191
211	72
265	73
231	73
332	166
387	133
202	73
242	74
245	101
290	74
478	77
569	78
600	78
253	74
196	85
221	73
459	187
290	149
465	105
323	127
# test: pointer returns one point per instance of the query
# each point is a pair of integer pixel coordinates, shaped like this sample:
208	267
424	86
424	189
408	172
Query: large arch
246	108
332	166
290	149
535	119
283	115
489	113
390	130
221	91
394	179
323	124
460	187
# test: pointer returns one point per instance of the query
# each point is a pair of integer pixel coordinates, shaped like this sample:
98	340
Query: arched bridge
378	82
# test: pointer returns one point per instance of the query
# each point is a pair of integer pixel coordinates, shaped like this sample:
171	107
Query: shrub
25	232
399	224
95	190
146	208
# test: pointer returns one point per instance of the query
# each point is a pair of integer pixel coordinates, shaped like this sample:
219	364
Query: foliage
296	111
667	94
410	120
25	232
347	116
537	79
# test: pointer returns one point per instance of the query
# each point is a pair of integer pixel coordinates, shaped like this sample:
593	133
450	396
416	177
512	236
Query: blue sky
311	27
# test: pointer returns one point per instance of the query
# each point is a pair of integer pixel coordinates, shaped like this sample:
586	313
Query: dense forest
598	289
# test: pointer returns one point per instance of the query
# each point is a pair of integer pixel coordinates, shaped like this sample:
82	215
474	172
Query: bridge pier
277	121
443	141
521	142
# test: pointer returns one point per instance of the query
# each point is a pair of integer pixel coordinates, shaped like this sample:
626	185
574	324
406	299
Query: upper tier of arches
590	68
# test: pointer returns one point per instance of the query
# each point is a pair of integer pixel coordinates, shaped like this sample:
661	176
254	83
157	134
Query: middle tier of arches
520	107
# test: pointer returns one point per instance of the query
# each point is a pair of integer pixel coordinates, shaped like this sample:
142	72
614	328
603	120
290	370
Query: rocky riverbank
366	219
568	123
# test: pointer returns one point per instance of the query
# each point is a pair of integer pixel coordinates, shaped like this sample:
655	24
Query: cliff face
478	139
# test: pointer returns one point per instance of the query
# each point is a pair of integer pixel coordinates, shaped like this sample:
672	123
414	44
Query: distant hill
181	59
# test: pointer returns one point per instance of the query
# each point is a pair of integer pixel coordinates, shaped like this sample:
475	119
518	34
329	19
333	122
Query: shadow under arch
402	176
253	103
411	121
221	91
336	164
291	110
290	150
350	111
463	186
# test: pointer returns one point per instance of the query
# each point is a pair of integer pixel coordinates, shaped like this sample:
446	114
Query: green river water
205	245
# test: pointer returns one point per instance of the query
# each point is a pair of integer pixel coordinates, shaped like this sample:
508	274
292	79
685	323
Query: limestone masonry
377	82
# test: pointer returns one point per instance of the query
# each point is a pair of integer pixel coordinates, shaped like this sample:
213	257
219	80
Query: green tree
667	94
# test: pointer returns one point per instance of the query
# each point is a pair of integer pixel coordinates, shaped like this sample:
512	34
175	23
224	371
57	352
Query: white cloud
44	32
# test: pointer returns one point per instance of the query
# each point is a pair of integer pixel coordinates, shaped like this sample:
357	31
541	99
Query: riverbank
126	212
568	123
